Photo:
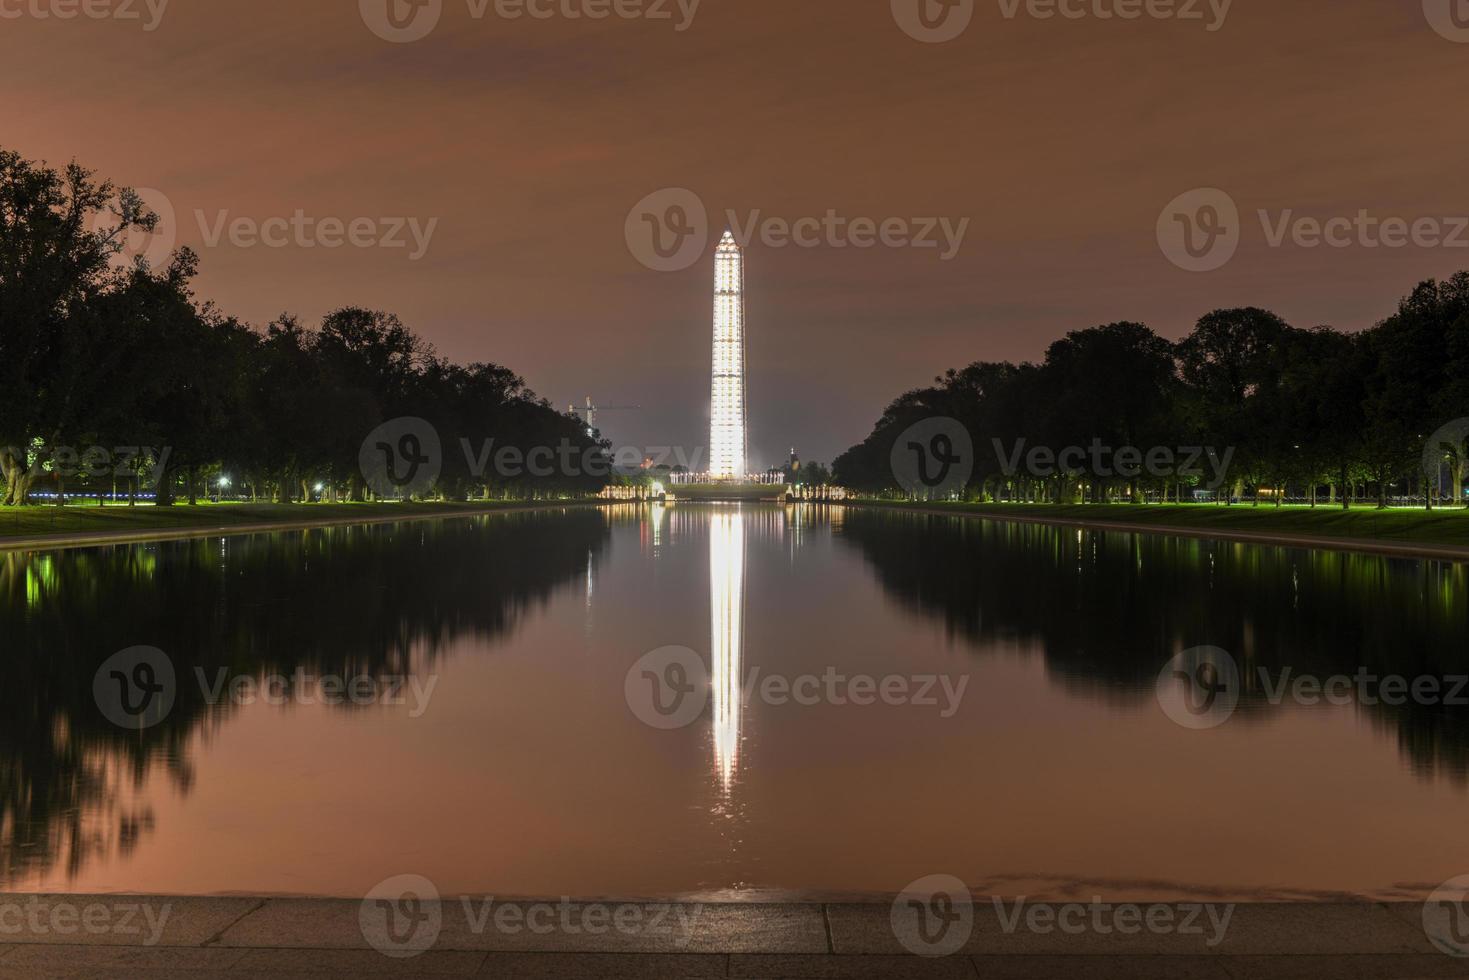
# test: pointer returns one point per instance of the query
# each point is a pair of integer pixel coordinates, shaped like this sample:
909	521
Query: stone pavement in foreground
320	938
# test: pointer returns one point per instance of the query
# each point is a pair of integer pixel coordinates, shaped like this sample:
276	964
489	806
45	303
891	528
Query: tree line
115	381
1317	414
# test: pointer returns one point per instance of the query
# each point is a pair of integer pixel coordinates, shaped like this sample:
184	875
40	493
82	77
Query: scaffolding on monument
728	407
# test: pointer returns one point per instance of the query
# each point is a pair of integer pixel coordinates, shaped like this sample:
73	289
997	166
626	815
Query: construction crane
591	410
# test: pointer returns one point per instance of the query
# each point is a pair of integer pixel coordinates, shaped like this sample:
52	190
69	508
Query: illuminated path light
727	441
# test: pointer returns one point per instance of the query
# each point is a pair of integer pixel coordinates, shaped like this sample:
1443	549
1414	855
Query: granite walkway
135	937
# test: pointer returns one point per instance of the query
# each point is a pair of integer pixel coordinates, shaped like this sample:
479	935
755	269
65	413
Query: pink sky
1060	140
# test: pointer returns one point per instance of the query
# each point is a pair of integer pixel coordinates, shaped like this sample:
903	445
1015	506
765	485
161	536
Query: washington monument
728	444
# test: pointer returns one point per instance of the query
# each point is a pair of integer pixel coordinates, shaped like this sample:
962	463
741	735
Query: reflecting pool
877	696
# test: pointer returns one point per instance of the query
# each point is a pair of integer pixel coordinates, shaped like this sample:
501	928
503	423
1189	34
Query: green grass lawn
75	518
1446	527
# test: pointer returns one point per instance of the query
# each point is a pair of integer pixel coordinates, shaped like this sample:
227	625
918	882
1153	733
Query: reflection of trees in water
376	600
1109	608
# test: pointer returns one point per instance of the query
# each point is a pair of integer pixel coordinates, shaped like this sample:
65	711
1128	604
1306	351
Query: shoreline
65	540
1387	547
70	539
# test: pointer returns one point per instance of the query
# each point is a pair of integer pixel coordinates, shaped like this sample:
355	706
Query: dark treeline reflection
1109	609
380	600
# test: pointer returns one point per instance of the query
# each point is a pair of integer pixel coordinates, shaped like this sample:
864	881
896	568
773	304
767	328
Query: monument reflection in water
727	637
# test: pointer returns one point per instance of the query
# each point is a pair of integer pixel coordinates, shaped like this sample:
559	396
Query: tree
60	232
1226	363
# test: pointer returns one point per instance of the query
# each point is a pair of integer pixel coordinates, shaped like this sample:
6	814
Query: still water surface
511	762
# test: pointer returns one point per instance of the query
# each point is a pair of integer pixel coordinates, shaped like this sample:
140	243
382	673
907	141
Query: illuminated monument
727	442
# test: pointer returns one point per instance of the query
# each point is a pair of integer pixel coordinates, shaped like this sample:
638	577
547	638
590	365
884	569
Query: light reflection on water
727	637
